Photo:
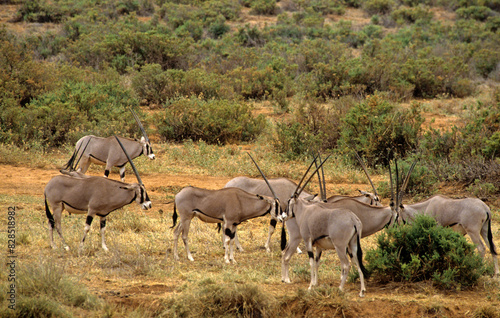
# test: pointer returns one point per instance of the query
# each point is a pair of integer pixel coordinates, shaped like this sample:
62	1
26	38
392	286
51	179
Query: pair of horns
398	196
130	161
140	124
299	189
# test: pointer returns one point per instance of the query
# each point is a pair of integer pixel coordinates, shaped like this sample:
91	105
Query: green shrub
263	7
425	251
155	86
480	13
378	6
412	15
378	131
213	121
67	113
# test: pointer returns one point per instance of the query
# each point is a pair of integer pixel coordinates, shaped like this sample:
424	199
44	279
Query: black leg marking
89	220
229	233
106	173
310	254
318	256
122	175
273	223
103	223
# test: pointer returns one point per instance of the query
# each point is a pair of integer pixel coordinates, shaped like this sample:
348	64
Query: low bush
213	121
378	131
425	251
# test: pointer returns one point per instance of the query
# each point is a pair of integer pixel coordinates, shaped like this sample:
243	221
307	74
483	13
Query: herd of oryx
336	222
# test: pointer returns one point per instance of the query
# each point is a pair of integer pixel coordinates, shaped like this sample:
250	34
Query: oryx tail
490	237
174	216
50	217
359	255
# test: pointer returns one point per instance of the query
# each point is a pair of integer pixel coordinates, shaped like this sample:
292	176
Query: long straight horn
397	183
130	160
305	174
366	172
140	124
263	176
406	180
309	179
322	190
392	187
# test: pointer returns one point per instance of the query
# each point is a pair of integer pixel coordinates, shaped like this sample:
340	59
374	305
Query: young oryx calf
229	206
107	151
81	194
324	227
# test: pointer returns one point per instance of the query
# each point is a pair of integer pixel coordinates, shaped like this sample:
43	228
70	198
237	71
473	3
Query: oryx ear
310	197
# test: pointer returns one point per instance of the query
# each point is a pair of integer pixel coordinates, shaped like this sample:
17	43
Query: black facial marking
229	233
89	220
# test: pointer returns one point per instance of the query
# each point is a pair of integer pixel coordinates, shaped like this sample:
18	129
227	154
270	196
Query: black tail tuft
283	237
174	216
69	165
490	237
49	215
359	255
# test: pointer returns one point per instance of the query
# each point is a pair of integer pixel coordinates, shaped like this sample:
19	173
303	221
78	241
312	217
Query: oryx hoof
105	249
190	258
362	293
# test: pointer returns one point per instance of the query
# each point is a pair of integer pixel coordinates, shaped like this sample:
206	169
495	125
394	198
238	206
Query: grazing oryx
230	206
466	216
92	195
324	227
283	187
107	151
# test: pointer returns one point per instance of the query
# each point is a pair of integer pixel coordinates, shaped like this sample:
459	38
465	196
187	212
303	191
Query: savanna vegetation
207	82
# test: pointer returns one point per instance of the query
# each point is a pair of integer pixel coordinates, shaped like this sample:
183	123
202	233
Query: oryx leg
310	253
488	238
272	227
229	235
84	164
236	241
183	228
315	267
55	222
292	246
122	173
353	247
88	223
345	264
103	229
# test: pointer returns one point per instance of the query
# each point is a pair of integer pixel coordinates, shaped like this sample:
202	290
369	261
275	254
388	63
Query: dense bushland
340	83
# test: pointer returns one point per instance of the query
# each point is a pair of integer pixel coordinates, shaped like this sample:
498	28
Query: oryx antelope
467	216
323	227
107	151
283	187
92	195
230	206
